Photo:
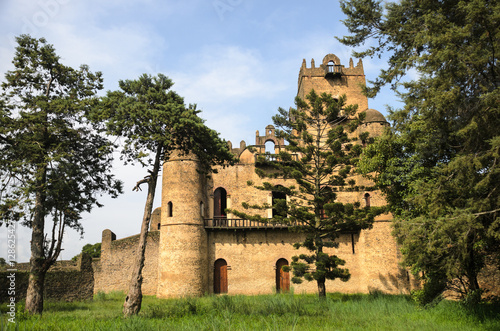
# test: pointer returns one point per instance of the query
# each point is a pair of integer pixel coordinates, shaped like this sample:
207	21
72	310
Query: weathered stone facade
193	254
113	270
65	281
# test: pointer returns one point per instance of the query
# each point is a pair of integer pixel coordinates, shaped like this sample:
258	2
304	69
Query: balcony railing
333	70
241	224
274	157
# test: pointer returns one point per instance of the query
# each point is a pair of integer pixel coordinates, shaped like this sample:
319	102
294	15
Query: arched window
220	276
220	203
170	209
270	147
331	66
282	277
279	198
367	199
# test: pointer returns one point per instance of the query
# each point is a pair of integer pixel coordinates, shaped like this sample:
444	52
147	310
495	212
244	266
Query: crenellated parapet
237	150
331	63
331	76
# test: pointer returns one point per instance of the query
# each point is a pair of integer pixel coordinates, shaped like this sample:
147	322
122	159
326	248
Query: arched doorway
275	197
220	276
282	277
220	205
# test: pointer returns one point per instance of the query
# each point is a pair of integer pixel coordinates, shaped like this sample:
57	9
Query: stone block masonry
65	281
114	268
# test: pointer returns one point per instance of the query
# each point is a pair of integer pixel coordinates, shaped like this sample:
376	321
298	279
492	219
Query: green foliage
94	251
54	163
439	165
318	161
153	118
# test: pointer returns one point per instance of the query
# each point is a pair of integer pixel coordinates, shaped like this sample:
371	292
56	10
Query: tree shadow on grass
484	311
60	306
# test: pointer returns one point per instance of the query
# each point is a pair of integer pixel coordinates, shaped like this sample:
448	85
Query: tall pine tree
54	164
317	164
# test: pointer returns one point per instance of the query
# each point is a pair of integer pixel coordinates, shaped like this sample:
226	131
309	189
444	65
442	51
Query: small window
170	209
202	209
367	199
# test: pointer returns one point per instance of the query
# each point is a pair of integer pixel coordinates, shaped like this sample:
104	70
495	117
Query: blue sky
237	59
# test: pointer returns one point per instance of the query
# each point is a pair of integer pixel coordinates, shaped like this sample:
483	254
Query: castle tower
183	259
334	78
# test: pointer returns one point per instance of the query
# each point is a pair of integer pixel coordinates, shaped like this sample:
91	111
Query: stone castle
194	248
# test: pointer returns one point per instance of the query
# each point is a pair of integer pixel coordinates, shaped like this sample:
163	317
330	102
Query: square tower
334	78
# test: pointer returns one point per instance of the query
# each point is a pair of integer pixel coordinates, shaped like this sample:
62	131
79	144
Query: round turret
374	123
374	116
183	267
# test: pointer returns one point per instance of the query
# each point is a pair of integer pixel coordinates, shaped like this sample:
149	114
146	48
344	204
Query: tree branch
146	179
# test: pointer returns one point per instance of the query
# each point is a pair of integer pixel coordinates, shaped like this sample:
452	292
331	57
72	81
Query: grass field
266	312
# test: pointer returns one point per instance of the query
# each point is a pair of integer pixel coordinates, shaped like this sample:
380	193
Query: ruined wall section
114	268
65	281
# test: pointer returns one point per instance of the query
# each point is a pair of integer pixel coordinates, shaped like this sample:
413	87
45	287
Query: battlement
329	67
331	76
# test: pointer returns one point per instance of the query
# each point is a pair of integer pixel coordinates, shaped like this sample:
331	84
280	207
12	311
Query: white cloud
225	81
218	73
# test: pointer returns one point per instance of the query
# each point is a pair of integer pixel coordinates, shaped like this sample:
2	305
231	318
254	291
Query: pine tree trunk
472	272
133	301
34	295
321	288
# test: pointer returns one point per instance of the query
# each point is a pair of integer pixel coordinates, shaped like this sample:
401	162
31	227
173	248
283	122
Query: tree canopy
439	164
94	251
54	164
317	164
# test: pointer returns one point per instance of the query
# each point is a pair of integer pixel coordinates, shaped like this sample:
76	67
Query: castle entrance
220	276
282	277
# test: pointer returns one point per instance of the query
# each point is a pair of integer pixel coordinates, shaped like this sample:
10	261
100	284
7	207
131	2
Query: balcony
333	70
243	224
262	158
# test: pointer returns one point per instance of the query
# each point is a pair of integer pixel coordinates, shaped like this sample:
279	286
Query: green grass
266	312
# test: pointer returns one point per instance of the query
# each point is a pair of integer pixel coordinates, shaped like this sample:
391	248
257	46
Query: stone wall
66	281
489	277
114	268
371	257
